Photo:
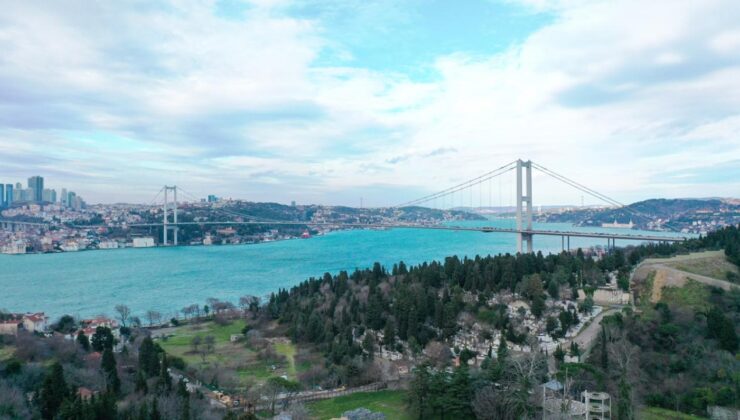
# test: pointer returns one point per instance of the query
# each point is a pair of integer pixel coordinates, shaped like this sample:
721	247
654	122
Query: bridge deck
485	229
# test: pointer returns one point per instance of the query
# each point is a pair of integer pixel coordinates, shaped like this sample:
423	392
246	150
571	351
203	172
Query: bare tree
124	312
512	399
195	343
248	304
153	317
438	353
187	311
208	347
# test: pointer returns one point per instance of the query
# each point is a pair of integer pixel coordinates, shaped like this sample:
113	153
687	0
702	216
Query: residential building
9	327
35	322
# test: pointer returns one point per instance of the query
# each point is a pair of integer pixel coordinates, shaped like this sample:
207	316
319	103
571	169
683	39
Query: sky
338	101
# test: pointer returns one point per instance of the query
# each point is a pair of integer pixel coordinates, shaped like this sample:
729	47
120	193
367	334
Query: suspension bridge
445	199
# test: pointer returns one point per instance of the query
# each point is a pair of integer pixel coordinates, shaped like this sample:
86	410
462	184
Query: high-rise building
8	194
27	194
2	195
36	183
63	198
49	195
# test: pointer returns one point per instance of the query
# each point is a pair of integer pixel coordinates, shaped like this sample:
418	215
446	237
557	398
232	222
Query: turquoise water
167	279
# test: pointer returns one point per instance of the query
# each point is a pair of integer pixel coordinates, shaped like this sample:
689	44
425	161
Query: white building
35	322
145	242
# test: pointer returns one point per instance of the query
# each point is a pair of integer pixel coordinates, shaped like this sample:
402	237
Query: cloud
281	100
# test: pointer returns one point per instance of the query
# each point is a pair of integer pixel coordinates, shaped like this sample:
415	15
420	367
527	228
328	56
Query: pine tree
53	391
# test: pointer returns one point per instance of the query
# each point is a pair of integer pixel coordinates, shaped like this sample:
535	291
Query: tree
559	354
368	344
153	317
553	289
209	346
65	325
165	381
102	339
276	386
459	394
110	372
502	352
123	313
551	325
587	306
604	352
141	385
538	306
419	391
531	286
53	391
195	343
83	341
148	357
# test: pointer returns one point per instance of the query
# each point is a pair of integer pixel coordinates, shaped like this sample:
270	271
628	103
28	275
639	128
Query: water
167	279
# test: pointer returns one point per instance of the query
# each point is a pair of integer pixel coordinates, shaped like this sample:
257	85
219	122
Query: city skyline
340	102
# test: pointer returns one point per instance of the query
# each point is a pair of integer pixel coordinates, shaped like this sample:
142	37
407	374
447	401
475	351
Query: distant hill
683	214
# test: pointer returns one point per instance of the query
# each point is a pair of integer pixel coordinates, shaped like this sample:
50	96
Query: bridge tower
165	222
524	204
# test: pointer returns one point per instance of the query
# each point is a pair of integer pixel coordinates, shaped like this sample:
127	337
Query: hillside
689	215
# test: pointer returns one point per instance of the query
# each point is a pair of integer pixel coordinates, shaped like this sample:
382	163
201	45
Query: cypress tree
141	385
604	355
148	357
108	365
53	391
83	340
154	413
165	381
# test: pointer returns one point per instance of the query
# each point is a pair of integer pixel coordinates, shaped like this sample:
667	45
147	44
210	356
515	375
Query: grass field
390	403
710	263
288	350
693	294
237	357
179	343
655	413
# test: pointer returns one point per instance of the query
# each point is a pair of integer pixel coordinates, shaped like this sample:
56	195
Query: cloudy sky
329	101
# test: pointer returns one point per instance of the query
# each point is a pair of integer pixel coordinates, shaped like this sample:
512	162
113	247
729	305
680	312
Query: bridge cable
595	194
460	187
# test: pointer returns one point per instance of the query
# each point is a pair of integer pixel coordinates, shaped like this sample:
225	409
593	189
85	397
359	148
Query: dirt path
587	336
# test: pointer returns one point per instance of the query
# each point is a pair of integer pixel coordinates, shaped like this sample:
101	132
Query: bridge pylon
524	204
165	221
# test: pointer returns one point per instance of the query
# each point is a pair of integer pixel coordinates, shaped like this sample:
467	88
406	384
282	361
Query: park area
210	352
389	402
